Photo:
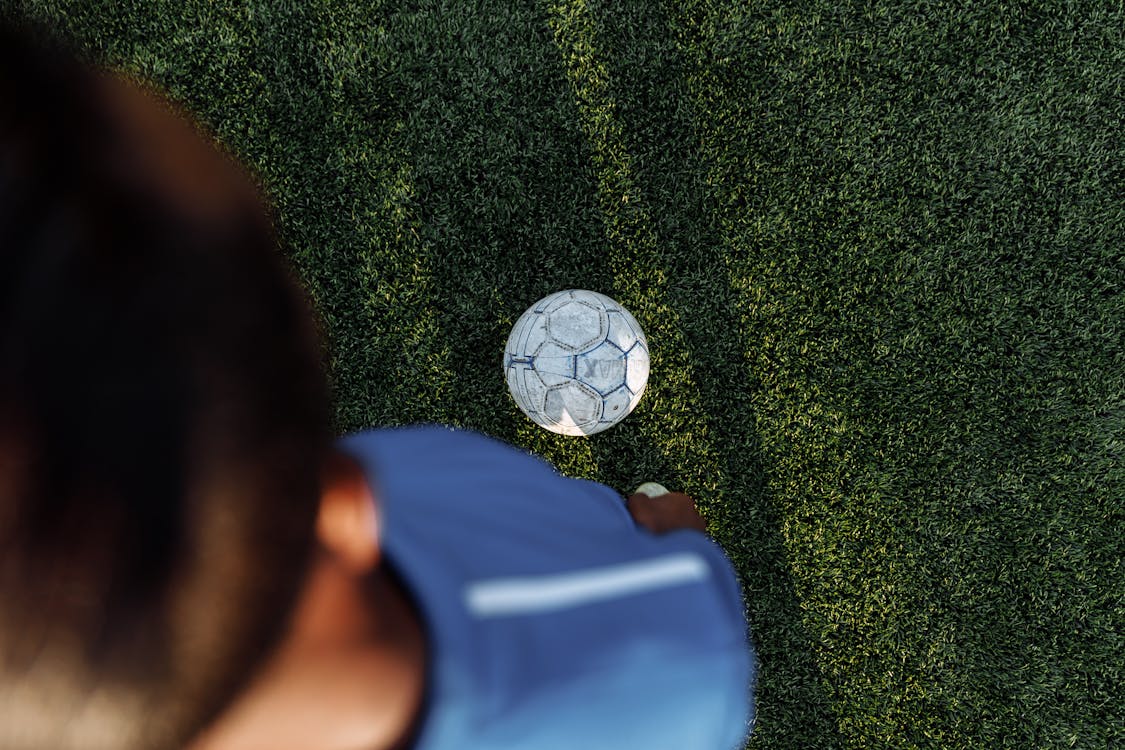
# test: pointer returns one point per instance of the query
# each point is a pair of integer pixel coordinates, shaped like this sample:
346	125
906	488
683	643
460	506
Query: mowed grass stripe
423	344
503	215
670	416
792	272
349	218
647	54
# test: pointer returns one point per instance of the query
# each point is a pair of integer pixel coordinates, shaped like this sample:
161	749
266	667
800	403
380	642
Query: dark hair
163	414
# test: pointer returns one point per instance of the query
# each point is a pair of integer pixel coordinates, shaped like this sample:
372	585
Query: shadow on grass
629	75
504	209
345	187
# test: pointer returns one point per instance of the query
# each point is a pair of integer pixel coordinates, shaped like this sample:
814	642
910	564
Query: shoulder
436	447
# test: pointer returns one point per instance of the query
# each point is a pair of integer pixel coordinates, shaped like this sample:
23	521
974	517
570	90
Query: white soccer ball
576	362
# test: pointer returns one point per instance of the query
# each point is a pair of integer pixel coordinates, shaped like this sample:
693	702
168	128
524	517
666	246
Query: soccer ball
576	362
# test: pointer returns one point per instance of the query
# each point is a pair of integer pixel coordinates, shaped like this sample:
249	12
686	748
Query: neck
349	675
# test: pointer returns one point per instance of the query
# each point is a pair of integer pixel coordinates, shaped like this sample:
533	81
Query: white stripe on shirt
499	597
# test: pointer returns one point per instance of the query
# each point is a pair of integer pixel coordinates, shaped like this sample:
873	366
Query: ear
347	525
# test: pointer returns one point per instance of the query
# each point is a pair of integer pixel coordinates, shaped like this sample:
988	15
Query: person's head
163	415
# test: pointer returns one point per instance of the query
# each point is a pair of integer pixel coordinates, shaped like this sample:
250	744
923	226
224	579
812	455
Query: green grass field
879	253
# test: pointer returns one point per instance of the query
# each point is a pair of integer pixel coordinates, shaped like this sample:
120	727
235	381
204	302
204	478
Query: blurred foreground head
163	415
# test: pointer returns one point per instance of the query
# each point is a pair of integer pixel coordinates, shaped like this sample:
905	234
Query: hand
665	513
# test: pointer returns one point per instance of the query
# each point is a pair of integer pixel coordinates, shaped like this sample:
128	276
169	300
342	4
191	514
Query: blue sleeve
554	621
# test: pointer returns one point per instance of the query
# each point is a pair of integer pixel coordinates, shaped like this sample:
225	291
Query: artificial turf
879	252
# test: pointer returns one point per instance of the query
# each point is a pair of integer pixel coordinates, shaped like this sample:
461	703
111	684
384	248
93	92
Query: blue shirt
553	622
